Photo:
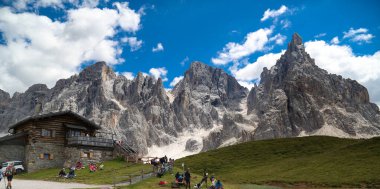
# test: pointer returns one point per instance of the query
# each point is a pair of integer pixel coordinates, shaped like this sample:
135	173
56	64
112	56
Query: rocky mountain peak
37	88
297	97
4	95
296	40
206	79
99	70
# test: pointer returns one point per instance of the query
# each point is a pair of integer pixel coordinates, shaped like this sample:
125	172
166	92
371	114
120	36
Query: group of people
180	178
79	165
70	175
9	172
215	184
162	165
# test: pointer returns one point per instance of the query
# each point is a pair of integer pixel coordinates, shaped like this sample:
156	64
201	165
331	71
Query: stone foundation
43	155
85	155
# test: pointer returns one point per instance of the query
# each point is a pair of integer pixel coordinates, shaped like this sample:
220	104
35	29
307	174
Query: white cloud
159	73
320	35
128	20
340	59
35	44
247	84
335	40
278	39
158	48
363	37
28	4
133	42
285	23
274	13
254	41
358	35
128	75
252	71
352	32
183	62
176	80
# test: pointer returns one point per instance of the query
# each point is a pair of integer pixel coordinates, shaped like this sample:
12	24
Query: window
47	156
46	133
73	133
87	155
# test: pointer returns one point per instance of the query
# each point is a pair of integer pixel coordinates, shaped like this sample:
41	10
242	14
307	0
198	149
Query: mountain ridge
208	108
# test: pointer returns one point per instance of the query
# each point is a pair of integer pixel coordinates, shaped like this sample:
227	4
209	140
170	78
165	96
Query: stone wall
43	155
12	152
86	155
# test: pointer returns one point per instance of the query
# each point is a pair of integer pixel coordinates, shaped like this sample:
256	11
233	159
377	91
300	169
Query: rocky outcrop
206	98
295	97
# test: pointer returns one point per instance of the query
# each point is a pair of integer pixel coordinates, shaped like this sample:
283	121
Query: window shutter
51	156
41	156
53	133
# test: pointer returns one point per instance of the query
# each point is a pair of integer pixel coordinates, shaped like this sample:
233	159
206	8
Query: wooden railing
90	141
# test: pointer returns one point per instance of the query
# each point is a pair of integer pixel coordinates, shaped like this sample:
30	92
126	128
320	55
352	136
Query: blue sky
49	36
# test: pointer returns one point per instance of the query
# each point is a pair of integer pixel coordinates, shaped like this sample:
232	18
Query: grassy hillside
318	161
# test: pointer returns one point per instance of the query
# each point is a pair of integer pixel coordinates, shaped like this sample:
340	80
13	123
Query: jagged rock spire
295	42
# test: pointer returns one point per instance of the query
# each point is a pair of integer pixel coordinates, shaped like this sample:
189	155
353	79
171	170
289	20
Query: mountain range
208	108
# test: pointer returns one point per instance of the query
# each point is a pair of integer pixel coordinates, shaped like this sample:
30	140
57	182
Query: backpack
9	171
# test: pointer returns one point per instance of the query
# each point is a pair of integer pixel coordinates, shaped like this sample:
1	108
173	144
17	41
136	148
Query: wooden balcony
90	141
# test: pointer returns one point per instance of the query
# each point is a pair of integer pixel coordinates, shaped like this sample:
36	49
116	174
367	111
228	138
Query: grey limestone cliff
295	97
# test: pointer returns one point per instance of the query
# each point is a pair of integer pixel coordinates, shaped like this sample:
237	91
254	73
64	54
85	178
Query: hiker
187	178
204	180
162	160
170	164
213	181
79	165
176	176
62	173
218	185
71	173
180	179
9	172
92	167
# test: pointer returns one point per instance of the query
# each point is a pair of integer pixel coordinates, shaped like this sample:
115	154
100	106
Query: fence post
113	178
142	174
130	179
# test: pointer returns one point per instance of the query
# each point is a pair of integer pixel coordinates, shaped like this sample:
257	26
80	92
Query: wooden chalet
57	139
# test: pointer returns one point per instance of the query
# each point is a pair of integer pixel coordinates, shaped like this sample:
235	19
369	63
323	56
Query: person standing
9	172
187	178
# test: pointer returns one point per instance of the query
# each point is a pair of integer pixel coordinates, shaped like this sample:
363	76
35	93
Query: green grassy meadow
115	171
311	161
317	161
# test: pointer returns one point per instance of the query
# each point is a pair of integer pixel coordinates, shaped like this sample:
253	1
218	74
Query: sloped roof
53	114
13	139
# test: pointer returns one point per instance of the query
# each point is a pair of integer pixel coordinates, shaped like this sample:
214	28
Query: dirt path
36	184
